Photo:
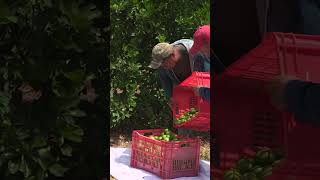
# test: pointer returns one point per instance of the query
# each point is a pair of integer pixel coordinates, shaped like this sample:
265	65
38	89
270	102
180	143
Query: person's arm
200	66
298	97
303	100
166	83
205	93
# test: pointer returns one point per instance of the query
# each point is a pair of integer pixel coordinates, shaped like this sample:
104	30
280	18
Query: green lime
265	157
250	176
164	136
276	163
243	165
267	171
257	170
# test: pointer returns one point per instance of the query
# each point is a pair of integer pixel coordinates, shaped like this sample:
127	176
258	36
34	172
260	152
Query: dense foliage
137	101
52	109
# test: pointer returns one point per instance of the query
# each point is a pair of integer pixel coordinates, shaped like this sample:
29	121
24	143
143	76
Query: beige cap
160	52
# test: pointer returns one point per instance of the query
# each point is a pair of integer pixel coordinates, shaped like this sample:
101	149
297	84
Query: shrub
137	100
52	58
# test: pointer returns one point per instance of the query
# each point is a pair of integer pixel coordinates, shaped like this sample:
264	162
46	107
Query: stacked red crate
244	116
185	98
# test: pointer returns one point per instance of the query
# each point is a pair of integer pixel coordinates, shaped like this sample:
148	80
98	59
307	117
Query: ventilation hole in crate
157	150
265	129
156	162
193	102
177	109
139	156
180	165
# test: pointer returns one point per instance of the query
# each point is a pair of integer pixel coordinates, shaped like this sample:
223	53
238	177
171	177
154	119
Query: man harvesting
173	63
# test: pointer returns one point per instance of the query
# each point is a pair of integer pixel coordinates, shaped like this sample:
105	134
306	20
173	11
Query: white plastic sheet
121	170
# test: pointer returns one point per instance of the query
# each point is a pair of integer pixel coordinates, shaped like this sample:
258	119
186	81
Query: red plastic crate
167	160
184	99
244	116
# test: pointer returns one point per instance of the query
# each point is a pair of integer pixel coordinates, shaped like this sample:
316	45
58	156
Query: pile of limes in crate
256	168
187	116
166	135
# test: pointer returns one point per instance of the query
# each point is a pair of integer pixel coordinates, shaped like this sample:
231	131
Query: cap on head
160	52
200	37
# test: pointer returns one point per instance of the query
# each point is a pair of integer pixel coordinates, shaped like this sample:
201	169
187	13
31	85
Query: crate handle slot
184	145
192	102
177	109
148	134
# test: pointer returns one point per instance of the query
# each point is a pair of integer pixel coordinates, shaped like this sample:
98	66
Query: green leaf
77	113
12	19
38	141
77	76
7	155
24	167
22	134
72	133
67	103
66	150
48	3
41	174
46	158
13	166
161	38
61	141
5	12
80	17
57	170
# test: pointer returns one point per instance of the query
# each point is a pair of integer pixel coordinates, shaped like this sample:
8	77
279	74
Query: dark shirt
202	64
182	69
